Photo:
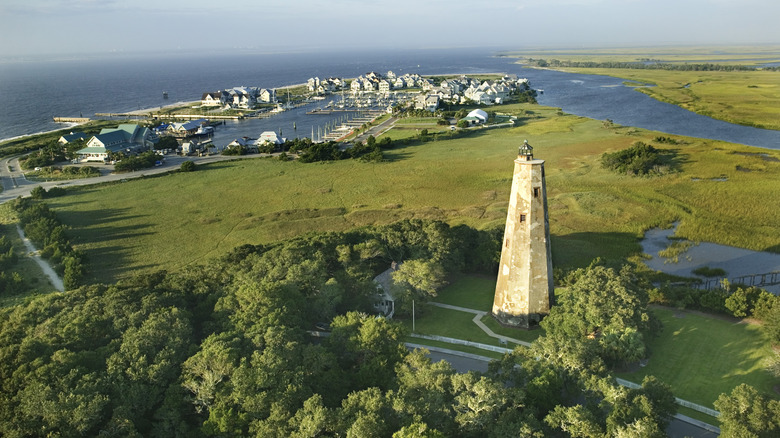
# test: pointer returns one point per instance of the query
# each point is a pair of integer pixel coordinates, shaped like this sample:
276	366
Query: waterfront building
524	289
270	137
73	136
212	99
127	138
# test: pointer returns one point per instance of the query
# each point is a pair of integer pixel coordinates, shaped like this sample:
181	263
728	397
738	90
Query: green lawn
450	323
723	354
476	292
417	121
469	291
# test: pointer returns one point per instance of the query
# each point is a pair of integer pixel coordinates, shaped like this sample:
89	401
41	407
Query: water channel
605	97
736	262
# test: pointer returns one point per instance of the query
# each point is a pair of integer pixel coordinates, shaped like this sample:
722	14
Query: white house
267	95
384	302
212	99
428	102
385	86
73	136
186	129
313	83
270	137
242	97
249	143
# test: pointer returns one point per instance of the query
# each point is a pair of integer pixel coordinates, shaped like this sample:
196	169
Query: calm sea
31	93
34	92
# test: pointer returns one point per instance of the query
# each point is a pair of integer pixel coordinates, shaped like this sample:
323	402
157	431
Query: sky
46	27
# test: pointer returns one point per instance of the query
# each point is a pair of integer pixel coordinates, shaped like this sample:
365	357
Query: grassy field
171	221
749	98
724	354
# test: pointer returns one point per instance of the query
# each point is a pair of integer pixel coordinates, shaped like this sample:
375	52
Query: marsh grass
751	55
750	98
183	218
676	249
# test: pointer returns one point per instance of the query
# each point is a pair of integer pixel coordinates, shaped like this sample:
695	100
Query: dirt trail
55	280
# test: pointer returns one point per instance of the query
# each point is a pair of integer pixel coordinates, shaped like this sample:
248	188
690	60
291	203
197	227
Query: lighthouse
524	289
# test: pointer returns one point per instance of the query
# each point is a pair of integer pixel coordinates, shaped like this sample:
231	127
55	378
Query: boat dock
327	111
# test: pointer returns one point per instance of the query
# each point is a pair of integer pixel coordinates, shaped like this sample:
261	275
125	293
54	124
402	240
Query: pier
136	115
72	119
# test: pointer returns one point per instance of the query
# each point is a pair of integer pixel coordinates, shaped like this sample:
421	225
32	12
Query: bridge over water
758	280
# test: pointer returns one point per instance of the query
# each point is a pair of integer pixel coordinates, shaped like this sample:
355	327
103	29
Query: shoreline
146	111
51	131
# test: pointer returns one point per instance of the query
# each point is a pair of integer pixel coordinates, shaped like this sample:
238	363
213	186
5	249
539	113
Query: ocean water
31	93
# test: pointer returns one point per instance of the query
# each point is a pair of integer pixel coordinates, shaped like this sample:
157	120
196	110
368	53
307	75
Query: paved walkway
478	314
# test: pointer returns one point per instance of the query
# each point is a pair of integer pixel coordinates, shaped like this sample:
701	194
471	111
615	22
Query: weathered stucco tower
524	290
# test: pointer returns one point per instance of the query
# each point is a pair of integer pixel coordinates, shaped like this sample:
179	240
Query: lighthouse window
536	192
522	218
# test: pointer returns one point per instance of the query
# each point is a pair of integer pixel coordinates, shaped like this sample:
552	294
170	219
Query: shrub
187	166
141	161
38	192
706	271
639	159
55	192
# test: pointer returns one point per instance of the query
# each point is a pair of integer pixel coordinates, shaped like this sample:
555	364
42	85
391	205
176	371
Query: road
14	183
377	130
463	362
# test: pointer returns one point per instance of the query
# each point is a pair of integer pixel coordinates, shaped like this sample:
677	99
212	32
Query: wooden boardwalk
758	280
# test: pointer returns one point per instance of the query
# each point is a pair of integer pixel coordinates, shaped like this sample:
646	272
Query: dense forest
226	349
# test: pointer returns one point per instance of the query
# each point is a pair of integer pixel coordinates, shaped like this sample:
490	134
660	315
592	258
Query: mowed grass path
177	220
